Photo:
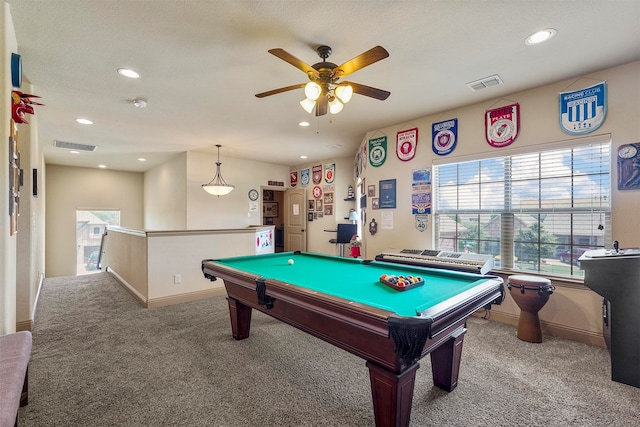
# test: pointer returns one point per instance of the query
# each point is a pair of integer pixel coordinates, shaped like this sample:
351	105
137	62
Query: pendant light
218	186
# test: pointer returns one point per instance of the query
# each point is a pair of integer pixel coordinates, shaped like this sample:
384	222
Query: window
90	226
535	212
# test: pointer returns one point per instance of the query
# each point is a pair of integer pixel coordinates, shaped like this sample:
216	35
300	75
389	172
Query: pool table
342	301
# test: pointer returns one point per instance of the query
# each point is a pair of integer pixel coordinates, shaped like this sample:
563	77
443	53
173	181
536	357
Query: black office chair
345	233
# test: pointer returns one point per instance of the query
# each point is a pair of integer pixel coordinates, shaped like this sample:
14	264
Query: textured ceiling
202	62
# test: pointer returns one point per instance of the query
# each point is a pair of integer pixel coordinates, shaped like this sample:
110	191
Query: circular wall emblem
317	192
501	131
444	141
377	155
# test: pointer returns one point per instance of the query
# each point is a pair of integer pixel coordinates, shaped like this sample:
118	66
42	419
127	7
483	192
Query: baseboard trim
28	325
127	286
553	329
169	300
186	297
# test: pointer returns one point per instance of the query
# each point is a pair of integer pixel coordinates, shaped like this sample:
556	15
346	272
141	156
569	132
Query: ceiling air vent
74	146
485	83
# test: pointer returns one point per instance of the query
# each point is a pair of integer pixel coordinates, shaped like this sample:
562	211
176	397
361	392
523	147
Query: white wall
539	126
317	237
72	188
30	245
165	261
8	44
165	196
205	211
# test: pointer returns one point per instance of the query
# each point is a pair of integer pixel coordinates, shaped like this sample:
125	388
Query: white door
295	235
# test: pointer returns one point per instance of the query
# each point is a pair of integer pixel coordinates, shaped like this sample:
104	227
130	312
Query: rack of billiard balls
401	283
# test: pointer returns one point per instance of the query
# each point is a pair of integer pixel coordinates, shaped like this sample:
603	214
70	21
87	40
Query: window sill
566	282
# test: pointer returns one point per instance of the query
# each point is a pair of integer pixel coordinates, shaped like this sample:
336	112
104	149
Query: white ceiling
201	63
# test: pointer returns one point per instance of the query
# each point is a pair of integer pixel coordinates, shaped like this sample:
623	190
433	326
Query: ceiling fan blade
282	89
296	62
369	91
322	105
367	58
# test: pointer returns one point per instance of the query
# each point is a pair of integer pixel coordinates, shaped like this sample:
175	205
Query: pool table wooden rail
354	327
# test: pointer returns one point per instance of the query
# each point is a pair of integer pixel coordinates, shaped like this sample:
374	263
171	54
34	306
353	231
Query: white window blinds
534	211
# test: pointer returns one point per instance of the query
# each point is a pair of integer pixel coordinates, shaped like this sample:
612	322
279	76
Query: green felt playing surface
355	280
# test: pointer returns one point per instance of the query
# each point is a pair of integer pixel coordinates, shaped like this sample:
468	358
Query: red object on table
355	251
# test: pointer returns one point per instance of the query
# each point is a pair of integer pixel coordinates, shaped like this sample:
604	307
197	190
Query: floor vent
484	83
74	146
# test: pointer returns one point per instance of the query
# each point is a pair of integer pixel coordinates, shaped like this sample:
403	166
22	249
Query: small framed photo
319	205
328	198
312	205
328	209
371	191
375	203
267	195
270	209
310	216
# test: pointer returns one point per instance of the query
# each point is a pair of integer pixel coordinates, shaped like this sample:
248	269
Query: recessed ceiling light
128	73
102	166
303	157
142	159
540	36
303	124
84	121
140	102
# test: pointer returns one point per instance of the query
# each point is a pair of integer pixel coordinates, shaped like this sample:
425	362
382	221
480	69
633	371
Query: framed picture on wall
270	209
318	205
267	195
312	205
388	194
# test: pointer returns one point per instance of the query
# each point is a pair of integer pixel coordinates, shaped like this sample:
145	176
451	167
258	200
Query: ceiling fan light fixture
312	90
218	186
323	92
308	105
335	106
344	93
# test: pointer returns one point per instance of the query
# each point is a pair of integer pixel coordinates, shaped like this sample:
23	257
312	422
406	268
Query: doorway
90	227
273	213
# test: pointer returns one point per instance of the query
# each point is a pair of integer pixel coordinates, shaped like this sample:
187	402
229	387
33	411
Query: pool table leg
445	361
240	318
392	394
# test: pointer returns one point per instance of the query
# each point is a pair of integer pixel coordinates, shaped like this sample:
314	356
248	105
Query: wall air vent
484	83
73	146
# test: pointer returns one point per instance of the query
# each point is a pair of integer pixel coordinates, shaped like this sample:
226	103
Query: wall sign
445	136
583	111
406	144
629	167
378	151
387	194
502	125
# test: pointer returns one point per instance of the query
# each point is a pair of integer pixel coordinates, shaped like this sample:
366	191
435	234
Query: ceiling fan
324	91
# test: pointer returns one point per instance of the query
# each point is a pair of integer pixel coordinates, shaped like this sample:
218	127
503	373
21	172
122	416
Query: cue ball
290	262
